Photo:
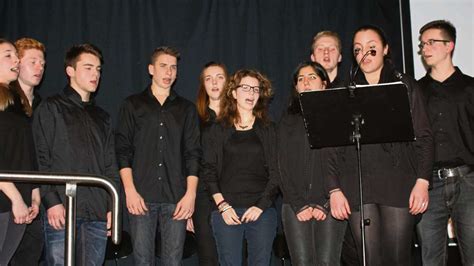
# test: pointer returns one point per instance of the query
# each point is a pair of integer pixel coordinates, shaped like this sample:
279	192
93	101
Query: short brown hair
326	33
73	54
24	44
229	113
164	50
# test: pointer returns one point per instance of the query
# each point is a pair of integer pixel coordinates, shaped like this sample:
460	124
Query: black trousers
206	245
31	246
10	236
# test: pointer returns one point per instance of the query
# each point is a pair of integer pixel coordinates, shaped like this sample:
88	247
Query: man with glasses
450	100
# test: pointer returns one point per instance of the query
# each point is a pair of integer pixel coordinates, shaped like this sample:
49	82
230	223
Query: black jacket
389	170
213	140
300	167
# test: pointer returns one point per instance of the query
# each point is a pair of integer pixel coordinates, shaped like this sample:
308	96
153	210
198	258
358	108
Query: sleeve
330	165
272	188
192	147
424	147
111	170
124	136
209	165
44	127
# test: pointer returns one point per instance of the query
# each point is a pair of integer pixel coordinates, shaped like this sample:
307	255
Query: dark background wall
272	36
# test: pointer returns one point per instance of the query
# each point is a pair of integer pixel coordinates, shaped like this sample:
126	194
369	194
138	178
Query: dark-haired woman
16	153
395	175
239	169
212	81
313	237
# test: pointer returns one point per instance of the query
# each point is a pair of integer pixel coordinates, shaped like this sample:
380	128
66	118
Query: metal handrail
71	181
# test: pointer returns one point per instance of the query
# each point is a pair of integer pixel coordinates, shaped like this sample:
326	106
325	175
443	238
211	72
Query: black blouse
389	170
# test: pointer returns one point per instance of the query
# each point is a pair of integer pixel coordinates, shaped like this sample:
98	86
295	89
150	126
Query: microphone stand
357	122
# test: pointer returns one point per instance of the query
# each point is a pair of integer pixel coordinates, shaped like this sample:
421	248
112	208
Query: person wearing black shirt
31	53
18	201
450	102
73	134
239	170
313	237
212	81
159	153
395	176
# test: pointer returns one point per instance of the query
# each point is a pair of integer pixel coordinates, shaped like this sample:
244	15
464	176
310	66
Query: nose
16	60
214	81
306	80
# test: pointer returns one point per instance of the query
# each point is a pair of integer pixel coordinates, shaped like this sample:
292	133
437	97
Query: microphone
371	52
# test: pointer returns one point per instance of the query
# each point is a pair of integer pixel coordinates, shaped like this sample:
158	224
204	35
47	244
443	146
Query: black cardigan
213	140
300	167
389	170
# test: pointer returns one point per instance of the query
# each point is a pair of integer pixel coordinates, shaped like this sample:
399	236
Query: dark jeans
206	245
452	198
389	236
10	236
313	242
143	233
259	235
31	246
90	243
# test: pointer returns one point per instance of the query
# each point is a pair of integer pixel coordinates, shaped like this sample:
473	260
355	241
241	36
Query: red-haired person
212	80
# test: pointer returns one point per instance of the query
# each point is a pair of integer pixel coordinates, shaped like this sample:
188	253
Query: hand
20	211
318	214
57	216
35	203
109	223
251	214
419	198
190	225
230	217
135	203
185	207
339	206
305	215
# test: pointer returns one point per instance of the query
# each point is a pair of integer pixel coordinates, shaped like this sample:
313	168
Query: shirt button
160	164
161	124
161	137
161	151
159	178
440	114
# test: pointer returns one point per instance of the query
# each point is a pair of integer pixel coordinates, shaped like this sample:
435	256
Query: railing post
70	245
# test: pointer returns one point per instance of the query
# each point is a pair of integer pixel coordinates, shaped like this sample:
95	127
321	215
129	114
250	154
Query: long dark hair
294	103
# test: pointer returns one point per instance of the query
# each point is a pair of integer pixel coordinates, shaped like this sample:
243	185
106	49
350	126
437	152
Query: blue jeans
313	242
259	235
143	233
90	243
452	198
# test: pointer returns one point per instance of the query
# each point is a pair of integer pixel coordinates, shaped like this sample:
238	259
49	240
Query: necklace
249	122
243	127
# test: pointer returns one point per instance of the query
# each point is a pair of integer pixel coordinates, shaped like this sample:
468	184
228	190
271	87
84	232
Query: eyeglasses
247	88
430	42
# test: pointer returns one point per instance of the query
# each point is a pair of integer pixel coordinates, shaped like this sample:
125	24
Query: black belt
445	173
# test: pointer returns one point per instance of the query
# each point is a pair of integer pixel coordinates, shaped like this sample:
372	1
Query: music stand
335	117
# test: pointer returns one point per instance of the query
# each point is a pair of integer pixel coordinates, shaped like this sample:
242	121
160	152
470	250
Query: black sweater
389	170
214	138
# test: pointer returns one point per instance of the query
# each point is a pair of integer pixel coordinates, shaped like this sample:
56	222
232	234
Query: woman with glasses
313	236
395	176
212	81
16	153
239	169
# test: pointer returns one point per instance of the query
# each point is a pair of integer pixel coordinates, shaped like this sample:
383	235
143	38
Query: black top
389	170
75	137
160	143
202	186
17	153
301	173
450	107
243	169
259	192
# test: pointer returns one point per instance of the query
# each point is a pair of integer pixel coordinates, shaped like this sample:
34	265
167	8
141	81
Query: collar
149	93
74	96
455	77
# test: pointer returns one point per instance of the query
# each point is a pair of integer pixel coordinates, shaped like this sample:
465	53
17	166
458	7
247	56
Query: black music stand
335	117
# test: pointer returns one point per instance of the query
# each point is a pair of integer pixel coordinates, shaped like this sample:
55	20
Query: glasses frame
248	88
430	42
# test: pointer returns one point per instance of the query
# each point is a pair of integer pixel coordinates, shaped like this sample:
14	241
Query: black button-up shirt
451	113
160	143
75	137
